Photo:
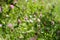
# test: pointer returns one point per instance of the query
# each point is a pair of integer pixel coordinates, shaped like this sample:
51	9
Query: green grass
28	20
57	9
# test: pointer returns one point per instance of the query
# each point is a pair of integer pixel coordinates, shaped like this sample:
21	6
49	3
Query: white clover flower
34	15
15	1
38	20
26	0
0	25
34	18
31	21
7	15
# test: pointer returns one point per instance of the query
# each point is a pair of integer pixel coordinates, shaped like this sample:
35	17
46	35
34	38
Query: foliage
28	20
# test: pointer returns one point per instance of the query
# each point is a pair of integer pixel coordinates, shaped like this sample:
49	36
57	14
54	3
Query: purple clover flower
10	25
12	6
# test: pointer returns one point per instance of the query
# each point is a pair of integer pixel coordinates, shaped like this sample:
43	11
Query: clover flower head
11	6
10	25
